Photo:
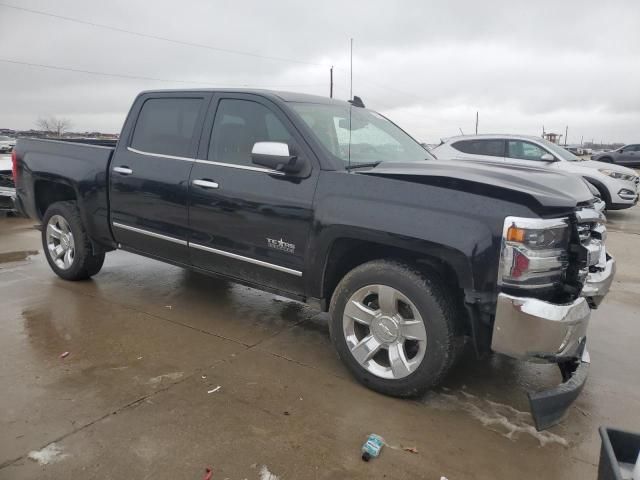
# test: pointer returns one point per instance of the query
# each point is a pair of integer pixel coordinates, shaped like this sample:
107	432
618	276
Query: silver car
618	186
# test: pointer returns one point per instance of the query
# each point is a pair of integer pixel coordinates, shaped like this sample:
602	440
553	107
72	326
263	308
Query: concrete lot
147	341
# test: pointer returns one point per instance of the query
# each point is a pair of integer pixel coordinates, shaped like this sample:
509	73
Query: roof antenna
461	132
351	104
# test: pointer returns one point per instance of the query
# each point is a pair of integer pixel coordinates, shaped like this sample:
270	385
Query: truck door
246	221
149	178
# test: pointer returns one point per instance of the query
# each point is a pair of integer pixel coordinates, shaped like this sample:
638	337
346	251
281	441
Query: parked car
629	156
332	204
618	186
7	187
6	144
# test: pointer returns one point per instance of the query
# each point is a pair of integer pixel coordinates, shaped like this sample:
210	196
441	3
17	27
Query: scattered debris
372	447
215	389
286	413
168	306
265	474
168	376
204	376
410	449
139	358
64	355
50	454
444	478
208	473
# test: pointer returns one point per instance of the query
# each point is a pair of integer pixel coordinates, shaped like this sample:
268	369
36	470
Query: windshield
561	153
373	137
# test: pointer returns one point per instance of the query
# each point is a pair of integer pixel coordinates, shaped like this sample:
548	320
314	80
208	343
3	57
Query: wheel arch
602	188
346	253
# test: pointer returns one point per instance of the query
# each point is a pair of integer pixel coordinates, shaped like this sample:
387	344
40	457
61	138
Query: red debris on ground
208	473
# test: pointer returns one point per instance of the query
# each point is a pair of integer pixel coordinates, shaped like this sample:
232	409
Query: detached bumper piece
549	406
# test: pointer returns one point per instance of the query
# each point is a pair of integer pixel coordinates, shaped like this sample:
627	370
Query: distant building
552	137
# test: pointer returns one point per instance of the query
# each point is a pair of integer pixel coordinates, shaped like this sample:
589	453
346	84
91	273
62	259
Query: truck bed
48	167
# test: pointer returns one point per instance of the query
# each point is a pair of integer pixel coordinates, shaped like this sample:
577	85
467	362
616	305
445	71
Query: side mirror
276	156
547	157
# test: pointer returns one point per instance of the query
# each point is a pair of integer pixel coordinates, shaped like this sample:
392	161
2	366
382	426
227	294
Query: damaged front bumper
535	330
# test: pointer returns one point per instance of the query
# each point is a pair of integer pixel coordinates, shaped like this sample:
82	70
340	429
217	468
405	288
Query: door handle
205	183
123	170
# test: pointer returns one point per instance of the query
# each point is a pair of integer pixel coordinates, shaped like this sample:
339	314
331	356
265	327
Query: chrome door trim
150	234
161	155
209	162
235	256
240	167
205	183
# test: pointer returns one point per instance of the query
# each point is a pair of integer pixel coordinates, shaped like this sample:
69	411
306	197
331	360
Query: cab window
166	125
238	125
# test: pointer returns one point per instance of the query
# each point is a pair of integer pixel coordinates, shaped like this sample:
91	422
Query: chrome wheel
384	331
60	242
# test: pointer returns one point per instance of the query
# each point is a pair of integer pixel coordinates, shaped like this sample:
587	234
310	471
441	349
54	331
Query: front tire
66	243
394	327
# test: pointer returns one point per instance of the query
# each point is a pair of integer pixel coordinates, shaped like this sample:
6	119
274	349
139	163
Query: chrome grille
584	232
592	234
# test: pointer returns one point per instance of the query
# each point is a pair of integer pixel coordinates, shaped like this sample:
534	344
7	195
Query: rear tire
381	312
66	243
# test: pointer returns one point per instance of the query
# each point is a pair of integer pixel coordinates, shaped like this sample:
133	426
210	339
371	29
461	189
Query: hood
540	189
593	164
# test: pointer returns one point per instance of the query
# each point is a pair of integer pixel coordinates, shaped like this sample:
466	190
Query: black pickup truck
332	204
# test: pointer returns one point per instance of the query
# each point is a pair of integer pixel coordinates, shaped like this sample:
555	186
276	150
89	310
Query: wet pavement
147	342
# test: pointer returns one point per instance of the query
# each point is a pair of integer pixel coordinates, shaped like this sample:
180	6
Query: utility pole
566	136
581	140
351	69
476	123
331	82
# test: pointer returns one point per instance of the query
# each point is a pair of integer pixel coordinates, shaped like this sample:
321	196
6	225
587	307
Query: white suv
618	186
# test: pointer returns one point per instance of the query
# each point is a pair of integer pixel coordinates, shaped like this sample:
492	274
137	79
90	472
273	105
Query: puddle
498	417
50	454
17	256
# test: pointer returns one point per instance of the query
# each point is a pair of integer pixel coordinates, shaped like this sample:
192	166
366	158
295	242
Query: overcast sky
427	65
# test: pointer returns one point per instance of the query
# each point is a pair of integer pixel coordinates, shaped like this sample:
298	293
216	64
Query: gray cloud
428	65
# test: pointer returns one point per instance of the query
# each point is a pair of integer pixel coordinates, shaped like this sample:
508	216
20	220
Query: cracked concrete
147	341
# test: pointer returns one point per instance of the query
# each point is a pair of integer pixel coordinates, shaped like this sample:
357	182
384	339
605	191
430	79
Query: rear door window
492	148
166	126
524	150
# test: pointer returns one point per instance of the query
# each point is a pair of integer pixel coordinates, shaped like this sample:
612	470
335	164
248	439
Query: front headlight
616	175
534	252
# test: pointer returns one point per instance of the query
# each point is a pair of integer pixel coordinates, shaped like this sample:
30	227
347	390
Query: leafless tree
54	125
